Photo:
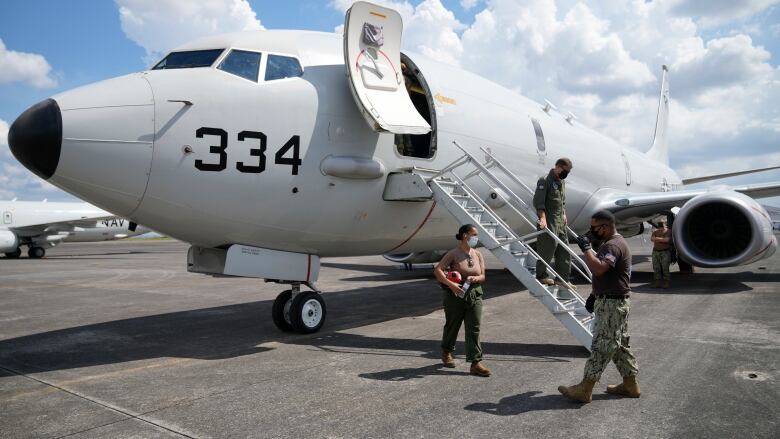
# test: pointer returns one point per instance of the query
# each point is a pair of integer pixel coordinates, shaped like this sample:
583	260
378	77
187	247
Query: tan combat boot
581	392
629	388
665	285
545	281
446	358
479	370
656	283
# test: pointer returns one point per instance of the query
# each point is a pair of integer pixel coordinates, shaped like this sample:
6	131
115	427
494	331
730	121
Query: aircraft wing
56	227
631	207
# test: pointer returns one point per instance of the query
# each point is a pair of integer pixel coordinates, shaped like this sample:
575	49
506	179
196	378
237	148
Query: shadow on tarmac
237	330
529	402
702	283
412	373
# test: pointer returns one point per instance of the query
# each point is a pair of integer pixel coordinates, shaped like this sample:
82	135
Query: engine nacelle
9	242
723	229
417	257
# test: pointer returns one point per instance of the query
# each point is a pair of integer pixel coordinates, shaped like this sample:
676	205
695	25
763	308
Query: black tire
278	312
36	252
307	312
14	254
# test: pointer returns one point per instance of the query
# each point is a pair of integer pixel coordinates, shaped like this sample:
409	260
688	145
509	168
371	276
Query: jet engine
8	241
428	257
723	229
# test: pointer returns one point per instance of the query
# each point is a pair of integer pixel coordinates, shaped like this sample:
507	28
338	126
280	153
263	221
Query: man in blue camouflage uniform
611	268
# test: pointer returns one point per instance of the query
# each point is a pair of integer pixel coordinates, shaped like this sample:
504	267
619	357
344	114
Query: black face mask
563	174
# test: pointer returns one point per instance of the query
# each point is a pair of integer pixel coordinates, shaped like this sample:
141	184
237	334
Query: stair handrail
511	193
516	237
517	180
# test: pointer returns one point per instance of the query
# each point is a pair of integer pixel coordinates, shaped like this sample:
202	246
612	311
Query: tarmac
117	339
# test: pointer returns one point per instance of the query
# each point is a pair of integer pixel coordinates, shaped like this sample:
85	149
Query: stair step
455	194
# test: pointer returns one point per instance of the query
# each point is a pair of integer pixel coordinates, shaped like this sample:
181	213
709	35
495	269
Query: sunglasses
470	260
593	229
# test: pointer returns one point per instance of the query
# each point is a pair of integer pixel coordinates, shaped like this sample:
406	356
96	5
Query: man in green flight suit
550	205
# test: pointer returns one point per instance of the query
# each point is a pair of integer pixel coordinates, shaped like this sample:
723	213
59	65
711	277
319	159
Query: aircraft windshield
189	59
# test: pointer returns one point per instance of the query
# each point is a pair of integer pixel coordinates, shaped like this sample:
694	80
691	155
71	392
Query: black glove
590	302
583	242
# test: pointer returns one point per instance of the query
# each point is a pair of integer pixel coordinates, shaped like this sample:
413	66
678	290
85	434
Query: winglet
660	150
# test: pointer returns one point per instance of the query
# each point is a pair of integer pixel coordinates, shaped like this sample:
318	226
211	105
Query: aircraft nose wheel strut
299	311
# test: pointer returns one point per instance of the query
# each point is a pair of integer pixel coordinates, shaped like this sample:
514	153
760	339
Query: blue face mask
473	241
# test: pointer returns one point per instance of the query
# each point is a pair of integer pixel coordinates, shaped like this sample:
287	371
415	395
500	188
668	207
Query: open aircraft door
372	54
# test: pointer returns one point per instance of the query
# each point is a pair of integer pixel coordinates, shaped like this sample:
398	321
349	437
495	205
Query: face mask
563	174
473	241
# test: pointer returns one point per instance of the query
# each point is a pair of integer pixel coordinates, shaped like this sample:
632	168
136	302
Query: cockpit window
278	67
242	63
189	59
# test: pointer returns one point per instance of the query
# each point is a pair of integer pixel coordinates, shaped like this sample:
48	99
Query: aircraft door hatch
372	56
627	165
7	217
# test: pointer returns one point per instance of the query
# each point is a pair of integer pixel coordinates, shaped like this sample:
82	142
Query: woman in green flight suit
469	263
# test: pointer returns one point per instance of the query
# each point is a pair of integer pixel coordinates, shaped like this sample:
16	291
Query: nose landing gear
296	311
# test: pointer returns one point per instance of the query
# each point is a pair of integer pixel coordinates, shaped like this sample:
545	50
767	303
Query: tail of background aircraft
660	149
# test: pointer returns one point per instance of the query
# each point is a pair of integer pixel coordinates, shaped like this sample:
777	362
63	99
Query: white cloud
468	4
25	67
724	62
160	25
714	12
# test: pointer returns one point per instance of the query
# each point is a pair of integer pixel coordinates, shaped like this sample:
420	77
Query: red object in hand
454	276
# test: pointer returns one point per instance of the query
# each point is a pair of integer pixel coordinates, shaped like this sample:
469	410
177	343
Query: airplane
268	150
41	224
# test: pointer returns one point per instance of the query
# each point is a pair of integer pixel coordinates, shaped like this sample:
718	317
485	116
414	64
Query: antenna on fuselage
548	106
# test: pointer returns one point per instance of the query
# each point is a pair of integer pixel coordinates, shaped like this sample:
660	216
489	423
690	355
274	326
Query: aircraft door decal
372	56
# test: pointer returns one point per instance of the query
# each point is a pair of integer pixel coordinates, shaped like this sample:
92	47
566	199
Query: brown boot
657	284
665	285
629	388
479	370
581	392
446	359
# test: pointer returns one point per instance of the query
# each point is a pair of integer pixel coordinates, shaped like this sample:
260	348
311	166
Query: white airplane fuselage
139	131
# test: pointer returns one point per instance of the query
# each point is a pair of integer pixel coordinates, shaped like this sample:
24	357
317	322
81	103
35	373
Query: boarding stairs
513	250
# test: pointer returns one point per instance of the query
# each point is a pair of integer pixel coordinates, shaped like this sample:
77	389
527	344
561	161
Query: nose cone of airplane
35	138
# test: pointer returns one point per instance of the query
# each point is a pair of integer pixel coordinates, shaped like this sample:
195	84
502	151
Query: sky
599	59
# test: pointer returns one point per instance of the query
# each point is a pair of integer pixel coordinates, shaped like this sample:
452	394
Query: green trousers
547	247
611	340
661	262
457	311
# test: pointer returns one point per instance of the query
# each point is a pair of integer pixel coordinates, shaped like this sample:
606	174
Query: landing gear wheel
36	252
307	312
14	254
281	311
